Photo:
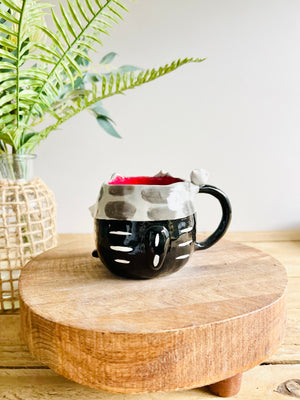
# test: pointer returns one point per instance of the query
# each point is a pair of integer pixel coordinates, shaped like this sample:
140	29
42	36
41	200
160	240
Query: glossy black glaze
151	248
226	216
143	250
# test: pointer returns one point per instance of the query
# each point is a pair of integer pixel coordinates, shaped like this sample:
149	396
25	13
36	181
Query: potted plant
45	79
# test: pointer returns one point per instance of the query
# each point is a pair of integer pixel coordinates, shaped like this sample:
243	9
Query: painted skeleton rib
120	233
119	260
157	240
182	257
186	229
156	260
121	248
185	243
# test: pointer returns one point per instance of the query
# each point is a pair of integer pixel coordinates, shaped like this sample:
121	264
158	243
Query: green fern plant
46	76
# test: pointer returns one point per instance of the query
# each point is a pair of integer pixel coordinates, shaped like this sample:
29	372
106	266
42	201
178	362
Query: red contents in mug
145	180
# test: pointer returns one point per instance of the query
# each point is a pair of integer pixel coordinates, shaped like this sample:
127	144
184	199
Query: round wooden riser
222	314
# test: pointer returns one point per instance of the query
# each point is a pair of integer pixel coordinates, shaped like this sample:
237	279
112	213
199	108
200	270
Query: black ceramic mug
146	226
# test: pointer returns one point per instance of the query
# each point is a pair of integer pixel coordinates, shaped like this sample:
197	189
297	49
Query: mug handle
226	217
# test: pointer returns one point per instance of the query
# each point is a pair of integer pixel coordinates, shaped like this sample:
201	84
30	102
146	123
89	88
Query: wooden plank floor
24	378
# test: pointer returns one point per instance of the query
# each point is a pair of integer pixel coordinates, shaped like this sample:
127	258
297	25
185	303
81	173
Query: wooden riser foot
227	388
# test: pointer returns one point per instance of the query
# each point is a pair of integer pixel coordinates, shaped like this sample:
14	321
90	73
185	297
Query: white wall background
237	114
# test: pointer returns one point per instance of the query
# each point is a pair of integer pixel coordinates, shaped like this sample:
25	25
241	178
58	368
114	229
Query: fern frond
11	4
68	21
90	7
42	79
74	15
116	84
4	76
60	28
8	16
18	84
6	66
52	36
7	31
91	21
82	11
7	43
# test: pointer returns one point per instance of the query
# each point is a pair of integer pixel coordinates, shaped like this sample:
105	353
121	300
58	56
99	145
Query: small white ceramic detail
199	176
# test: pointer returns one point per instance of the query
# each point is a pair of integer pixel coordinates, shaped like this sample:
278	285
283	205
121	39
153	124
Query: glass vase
16	167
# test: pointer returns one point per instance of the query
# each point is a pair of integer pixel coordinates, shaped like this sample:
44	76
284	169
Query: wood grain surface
259	383
221	314
24	377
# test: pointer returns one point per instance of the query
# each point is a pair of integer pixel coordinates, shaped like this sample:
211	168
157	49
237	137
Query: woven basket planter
27	228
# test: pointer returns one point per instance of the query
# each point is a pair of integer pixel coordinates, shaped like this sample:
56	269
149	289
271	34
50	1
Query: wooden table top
23	377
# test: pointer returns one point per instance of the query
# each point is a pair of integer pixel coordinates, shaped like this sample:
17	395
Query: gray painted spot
156	196
119	210
161	213
120	190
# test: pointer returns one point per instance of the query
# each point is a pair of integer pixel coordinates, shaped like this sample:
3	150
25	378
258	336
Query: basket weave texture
27	228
